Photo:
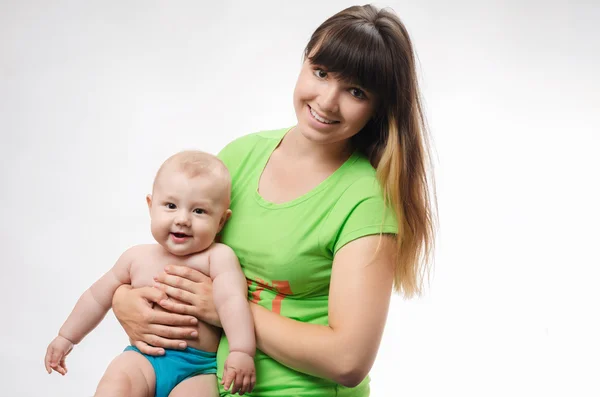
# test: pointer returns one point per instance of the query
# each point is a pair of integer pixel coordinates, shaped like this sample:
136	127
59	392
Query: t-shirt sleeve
360	212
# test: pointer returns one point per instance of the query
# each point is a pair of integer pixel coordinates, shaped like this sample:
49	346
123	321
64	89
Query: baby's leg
128	375
197	386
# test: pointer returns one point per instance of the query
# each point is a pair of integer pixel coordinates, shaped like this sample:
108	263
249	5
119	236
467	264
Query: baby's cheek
207	237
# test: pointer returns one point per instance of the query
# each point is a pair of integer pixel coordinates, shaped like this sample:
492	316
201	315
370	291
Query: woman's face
329	110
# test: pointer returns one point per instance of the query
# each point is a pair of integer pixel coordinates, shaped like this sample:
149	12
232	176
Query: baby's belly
208	336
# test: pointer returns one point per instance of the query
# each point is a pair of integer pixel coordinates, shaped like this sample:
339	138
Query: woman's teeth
321	119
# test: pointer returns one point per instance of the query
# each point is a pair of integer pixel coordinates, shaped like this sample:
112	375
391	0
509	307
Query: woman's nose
328	100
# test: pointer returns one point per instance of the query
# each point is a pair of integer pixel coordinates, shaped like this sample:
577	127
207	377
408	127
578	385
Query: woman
328	216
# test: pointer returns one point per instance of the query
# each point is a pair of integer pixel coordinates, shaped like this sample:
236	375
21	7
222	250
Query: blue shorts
175	366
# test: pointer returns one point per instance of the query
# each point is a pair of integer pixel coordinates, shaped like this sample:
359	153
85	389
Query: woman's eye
171	206
320	73
199	211
358	93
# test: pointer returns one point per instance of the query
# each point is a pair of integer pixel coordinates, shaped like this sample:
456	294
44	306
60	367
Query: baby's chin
184	249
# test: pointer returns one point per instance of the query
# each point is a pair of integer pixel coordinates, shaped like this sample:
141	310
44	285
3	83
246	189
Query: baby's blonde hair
195	163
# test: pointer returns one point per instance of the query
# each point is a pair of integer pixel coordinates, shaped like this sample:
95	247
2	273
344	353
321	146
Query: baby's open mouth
180	235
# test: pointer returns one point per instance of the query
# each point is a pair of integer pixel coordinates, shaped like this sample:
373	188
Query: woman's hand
192	291
149	329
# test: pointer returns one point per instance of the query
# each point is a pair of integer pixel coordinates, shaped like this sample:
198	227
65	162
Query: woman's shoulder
235	151
244	142
360	178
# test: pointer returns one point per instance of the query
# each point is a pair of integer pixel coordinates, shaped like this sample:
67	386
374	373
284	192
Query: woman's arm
359	296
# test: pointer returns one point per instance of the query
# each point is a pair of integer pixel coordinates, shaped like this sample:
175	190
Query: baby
189	205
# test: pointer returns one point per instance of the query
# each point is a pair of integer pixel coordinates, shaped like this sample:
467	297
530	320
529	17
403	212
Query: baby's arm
230	292
90	309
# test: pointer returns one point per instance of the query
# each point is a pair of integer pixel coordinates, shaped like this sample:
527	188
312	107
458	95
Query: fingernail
194	321
194	334
168	268
182	345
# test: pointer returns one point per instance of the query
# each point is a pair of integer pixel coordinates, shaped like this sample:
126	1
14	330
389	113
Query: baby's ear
224	218
149	201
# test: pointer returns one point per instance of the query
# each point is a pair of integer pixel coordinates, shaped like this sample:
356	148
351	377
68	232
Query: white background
95	95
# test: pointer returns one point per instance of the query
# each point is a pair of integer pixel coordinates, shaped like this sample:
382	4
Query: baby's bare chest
150	264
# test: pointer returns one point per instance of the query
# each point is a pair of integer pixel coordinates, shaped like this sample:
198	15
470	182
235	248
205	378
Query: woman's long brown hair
372	48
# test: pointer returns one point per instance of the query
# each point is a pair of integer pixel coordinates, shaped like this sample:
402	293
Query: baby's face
186	213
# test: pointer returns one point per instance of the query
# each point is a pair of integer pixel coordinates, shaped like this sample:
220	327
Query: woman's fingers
173	332
186	273
158	341
176	282
180	308
177	293
147	349
151	294
200	305
172	319
191	291
182	314
150	329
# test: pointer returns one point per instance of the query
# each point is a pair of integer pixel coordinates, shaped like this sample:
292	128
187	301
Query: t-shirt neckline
321	186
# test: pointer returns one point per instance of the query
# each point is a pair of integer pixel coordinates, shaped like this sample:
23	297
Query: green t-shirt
286	250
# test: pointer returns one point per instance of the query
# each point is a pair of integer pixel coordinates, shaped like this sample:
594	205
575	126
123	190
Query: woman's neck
296	146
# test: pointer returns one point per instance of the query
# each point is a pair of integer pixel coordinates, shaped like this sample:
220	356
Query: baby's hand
239	369
58	349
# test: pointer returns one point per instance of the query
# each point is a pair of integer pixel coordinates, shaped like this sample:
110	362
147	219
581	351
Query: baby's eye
171	206
199	211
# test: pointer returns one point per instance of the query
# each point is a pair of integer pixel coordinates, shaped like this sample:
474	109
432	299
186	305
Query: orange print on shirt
282	287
